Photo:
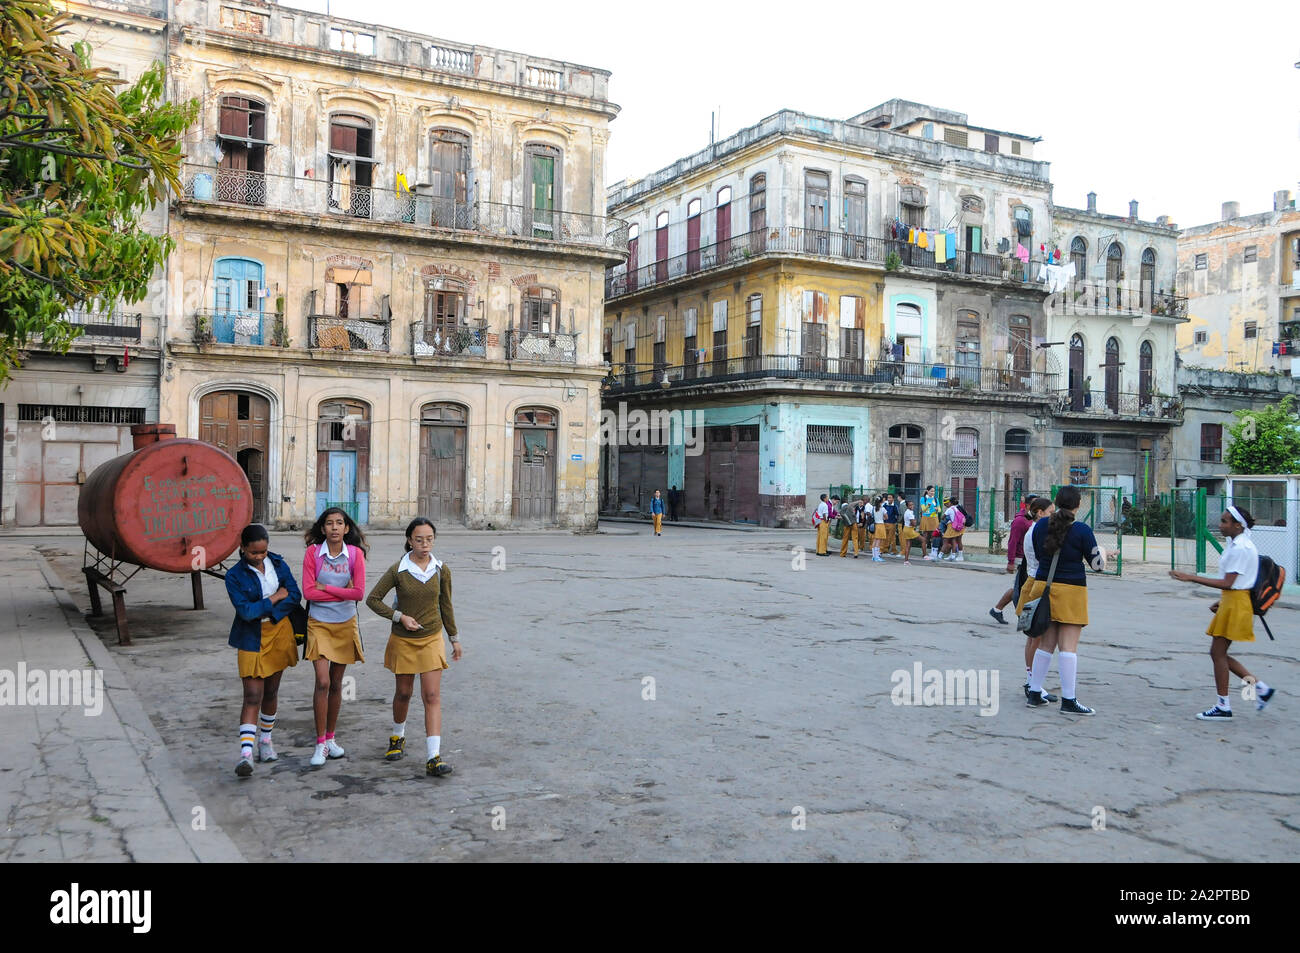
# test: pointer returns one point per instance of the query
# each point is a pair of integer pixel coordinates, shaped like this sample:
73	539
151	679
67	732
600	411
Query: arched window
1115	263
1112	374
633	255
1017	441
693	209
1148	278
1079	258
1146	369
351	164
1080	386
445	314
722	223
906	445
906	345
237	305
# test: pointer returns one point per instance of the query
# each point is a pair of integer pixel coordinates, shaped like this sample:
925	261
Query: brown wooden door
533	484
693	244
442	473
632	262
661	254
1077	375
240	423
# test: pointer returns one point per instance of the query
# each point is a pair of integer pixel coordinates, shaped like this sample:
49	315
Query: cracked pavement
772	700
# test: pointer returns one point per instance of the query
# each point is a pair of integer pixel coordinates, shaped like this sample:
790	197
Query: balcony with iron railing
113	325
463	341
209	186
1117	298
333	333
244	328
1118	404
544	347
885	253
948	380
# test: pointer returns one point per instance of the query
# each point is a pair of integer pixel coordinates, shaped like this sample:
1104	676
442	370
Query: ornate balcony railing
542	346
207	184
432	341
788	239
1119	298
332	333
1118	404
118	325
949	379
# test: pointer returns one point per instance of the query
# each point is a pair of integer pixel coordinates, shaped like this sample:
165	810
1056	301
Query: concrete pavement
84	776
699	696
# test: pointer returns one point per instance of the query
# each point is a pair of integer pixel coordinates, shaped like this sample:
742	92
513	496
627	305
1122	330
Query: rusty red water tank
167	502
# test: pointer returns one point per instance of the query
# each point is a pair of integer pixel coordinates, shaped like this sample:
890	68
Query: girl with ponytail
1075	549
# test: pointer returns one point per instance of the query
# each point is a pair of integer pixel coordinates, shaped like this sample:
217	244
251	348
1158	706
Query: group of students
270	623
1048	545
891	523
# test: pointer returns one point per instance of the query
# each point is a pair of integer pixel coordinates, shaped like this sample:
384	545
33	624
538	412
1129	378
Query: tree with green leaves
80	161
1265	439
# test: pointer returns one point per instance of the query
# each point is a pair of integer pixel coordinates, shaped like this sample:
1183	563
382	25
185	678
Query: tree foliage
80	161
1265	439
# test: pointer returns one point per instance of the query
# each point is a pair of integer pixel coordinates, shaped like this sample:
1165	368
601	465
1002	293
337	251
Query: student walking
334	581
415	646
1234	615
821	522
1075	549
1020	524
657	513
263	592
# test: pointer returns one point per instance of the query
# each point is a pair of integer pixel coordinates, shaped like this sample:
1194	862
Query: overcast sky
1181	106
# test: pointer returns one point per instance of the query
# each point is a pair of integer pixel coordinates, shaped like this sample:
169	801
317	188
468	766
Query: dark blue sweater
251	606
1076	552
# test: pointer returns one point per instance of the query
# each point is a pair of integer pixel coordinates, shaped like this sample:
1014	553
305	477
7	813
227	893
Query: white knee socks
1039	672
1069	673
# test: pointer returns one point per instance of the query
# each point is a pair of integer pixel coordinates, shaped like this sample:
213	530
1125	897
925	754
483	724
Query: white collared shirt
1242	557
324	551
268	578
424	575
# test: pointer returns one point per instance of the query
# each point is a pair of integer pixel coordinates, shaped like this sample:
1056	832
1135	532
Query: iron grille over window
74	414
827	439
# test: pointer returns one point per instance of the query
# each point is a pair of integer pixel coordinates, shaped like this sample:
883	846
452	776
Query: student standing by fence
1039	508
1234	616
821	522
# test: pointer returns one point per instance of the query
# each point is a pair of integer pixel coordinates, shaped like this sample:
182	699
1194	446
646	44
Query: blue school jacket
251	606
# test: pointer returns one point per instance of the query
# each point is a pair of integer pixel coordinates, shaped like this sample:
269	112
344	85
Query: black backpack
1269	581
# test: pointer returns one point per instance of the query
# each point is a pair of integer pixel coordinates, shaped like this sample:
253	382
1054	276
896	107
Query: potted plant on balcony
893	261
202	329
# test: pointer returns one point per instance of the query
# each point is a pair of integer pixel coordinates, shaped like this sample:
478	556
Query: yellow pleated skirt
1235	619
909	533
1069	602
881	531
405	656
929	524
337	641
279	651
951	533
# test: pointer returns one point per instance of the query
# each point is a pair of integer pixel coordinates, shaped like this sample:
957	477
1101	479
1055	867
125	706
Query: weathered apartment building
881	301
64	415
1242	275
386	291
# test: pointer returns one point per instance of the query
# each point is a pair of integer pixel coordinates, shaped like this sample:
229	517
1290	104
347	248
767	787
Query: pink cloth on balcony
1022	253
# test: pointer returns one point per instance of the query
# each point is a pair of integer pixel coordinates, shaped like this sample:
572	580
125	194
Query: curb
176	796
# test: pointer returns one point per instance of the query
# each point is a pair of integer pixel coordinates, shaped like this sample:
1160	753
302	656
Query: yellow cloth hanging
911	236
940	247
924	240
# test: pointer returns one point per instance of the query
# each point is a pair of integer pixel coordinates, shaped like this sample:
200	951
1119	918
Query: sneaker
997	614
1071	706
1262	700
876	559
319	755
907	562
928	558
1047	696
960	558
333	748
1034	699
265	752
1213	714
245	766
396	748
436	767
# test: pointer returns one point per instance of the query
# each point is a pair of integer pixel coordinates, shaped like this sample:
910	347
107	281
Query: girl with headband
1234	616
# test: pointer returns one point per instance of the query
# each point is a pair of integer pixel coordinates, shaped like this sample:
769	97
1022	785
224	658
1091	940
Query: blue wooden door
343	481
237	315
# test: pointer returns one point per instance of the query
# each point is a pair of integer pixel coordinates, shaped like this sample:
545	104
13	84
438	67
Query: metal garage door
829	460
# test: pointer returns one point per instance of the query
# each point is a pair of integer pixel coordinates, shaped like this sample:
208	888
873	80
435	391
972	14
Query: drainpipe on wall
167	265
